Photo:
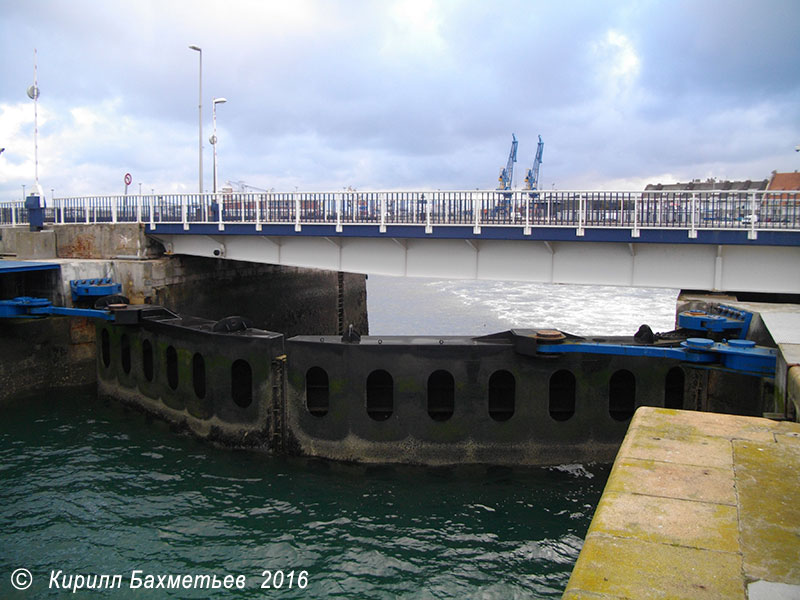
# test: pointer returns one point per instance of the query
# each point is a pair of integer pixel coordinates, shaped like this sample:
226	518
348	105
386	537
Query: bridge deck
462	214
710	240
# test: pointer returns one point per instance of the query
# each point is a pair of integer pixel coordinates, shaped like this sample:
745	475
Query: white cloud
414	29
618	64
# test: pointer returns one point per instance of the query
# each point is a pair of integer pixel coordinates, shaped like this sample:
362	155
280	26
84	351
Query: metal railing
689	210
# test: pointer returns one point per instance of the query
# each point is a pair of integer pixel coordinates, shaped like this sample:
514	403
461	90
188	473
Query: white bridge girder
772	269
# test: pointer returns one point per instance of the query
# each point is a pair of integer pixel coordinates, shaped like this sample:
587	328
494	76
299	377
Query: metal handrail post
635	231
752	235
184	211
476	229
693	230
338	200
383	212
428	226
297	226
152	214
527	229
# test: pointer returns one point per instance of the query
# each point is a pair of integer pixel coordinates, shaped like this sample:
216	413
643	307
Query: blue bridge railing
689	210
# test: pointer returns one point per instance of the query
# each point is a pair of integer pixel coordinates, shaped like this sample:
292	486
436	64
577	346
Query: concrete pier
697	505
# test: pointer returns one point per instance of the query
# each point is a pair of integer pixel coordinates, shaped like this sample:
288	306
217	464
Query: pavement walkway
697	505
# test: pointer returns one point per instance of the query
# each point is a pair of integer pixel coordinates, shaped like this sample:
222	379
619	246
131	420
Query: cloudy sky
387	94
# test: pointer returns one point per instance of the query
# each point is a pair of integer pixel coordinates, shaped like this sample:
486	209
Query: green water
92	488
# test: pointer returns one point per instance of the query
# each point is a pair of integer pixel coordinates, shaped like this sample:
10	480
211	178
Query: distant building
783	208
709	185
784	181
729	201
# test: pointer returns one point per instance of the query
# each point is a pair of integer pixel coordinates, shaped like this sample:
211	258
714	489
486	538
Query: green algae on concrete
698	505
610	567
769	509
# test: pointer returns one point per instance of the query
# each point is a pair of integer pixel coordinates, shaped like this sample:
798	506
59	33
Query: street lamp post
213	138
200	120
33	94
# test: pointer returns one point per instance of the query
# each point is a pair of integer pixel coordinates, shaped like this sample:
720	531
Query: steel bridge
723	240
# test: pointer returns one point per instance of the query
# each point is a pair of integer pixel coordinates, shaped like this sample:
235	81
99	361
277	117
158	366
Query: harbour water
89	488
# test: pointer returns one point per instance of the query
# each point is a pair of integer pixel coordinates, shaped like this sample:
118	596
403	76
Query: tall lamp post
200	120
213	138
33	94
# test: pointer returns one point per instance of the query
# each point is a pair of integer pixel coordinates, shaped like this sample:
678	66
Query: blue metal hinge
721	319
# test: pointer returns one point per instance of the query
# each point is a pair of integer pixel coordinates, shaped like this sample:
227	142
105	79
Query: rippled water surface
439	307
88	488
92	488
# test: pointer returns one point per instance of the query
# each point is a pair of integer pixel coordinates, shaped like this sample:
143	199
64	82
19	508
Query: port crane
244	187
507	174
532	177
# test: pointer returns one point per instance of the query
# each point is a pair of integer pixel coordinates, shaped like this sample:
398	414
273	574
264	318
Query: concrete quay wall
60	351
697	506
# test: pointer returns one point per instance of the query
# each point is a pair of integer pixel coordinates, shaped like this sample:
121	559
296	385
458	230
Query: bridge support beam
770	269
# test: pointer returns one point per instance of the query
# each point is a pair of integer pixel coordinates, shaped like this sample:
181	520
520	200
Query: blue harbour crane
507	174
532	176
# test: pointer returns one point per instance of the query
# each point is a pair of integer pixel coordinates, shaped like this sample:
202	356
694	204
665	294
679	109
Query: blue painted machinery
742	356
107	309
103	291
27	307
732	352
93	288
722	319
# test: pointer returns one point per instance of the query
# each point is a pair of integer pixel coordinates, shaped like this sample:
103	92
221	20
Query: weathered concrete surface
44	354
793	386
100	240
288	300
26	244
697	505
784	327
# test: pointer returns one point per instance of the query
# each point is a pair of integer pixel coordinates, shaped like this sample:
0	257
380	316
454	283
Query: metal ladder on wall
340	302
